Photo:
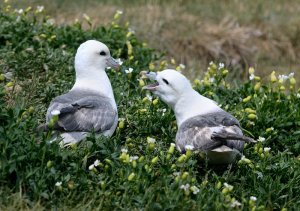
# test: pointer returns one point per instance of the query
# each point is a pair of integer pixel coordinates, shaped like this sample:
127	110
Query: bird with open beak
202	125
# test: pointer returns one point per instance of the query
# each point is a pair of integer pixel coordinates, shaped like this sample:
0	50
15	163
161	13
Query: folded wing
207	132
80	111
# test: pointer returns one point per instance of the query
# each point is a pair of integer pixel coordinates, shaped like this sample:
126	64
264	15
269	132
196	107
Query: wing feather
82	111
197	131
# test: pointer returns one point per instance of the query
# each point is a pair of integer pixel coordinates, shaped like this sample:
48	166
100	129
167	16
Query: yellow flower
87	18
247	99
292	81
154	160
251	70
273	77
252	116
257	78
43	36
151	66
141	83
269	129
27	9
128	34
49	164
173	61
219	185
117	15
121	124
131	177
184	175
155	101
257	86
225	72
182	158
249	110
197	82
171	149
2	77
129	47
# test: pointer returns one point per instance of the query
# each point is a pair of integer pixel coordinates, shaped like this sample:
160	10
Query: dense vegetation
138	167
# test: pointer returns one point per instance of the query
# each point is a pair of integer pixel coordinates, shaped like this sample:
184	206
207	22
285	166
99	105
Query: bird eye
102	53
164	80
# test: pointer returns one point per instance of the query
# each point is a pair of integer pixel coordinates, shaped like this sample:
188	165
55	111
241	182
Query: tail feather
224	135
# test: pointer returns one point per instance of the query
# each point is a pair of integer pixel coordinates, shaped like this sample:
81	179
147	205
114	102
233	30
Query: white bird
90	105
202	124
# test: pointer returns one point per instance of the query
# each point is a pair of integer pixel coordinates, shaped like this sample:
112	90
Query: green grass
40	56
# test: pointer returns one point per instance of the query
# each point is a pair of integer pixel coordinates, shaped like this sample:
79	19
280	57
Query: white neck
94	80
192	104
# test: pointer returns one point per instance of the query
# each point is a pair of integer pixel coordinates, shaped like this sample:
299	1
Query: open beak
152	77
111	62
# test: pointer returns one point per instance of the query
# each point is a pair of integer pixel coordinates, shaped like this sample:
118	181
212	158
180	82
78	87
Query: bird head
169	85
93	54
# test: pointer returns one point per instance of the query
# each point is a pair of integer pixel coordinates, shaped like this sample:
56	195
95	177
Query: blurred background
264	34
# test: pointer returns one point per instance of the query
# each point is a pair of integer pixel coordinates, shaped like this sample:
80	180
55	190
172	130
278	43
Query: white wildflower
298	95
96	163
291	75
20	11
120	12
185	187
131	30
251	77
235	204
261	139
91	167
253	198
182	66
195	189
221	65
164	110
246	160
129	70
50	22
40	8
150	97
212	79
119	61
58	184
189	147
267	149
226	185
150	140
132	158
176	174
211	63
283	77
108	68
259	175
124	150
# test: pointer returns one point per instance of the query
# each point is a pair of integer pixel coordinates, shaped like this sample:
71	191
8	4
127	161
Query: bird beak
111	62
152	77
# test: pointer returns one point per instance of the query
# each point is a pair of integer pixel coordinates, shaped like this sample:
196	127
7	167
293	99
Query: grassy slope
30	166
263	34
